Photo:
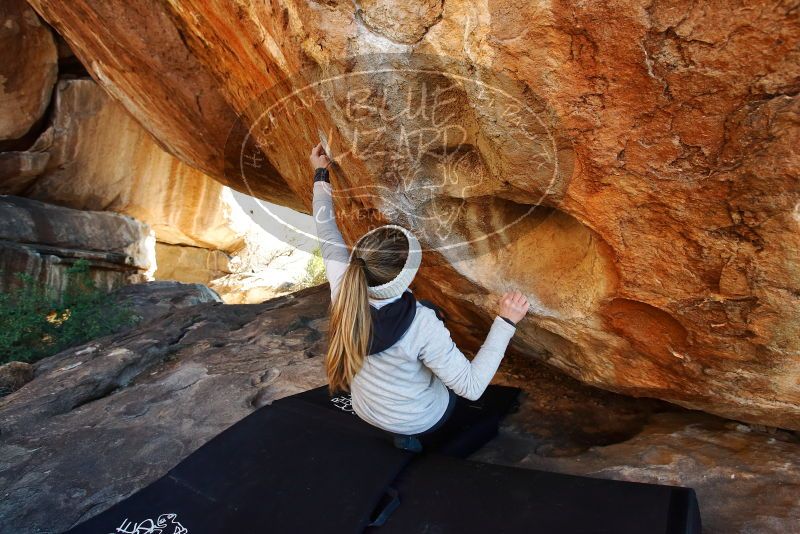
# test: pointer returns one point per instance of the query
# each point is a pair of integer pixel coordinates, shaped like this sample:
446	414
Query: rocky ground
747	477
100	421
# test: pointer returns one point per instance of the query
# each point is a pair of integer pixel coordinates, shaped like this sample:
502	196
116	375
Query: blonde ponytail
350	329
377	258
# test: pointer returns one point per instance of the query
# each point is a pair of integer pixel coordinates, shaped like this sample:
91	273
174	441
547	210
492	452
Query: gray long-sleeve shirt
403	389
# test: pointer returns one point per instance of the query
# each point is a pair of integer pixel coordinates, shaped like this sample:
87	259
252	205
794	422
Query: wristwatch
509	321
321	175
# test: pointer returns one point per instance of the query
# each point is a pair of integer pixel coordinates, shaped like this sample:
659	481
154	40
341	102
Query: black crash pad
446	495
304	464
274	471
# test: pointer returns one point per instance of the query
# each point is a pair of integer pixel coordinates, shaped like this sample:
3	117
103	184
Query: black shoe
408	443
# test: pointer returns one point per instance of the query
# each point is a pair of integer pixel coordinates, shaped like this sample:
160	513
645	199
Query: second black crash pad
304	464
446	495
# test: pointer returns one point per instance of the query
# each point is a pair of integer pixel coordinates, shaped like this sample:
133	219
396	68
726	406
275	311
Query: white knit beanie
399	283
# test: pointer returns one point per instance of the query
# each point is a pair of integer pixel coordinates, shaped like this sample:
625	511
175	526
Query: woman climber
391	352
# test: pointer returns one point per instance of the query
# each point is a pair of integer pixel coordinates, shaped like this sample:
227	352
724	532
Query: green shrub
35	323
315	270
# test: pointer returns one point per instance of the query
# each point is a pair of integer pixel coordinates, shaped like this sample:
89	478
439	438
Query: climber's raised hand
318	158
513	306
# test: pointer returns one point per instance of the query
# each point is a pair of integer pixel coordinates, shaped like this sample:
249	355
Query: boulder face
99	158
190	264
94	156
186	108
43	241
632	168
151	300
28	68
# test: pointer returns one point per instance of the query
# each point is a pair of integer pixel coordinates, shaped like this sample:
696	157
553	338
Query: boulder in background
44	240
28	68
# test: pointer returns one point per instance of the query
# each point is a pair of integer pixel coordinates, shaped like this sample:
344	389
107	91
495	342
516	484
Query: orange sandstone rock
28	65
649	169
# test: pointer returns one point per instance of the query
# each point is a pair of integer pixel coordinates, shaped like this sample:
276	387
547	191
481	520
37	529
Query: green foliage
315	270
35	323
